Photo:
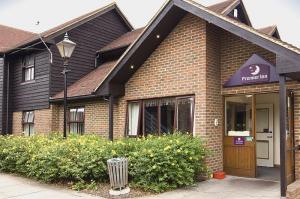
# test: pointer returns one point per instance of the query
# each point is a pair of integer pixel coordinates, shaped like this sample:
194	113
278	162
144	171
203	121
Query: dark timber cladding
2	90
30	95
283	126
90	37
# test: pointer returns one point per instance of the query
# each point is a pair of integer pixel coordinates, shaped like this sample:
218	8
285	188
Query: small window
28	123
28	68
133	118
76	121
235	13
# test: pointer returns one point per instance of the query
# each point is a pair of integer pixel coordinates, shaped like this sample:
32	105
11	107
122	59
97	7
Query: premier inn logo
253	74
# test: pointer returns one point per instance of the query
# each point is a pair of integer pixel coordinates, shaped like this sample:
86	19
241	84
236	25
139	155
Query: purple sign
256	70
239	140
257	73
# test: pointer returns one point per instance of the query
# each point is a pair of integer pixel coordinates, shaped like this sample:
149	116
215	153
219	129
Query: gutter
83	97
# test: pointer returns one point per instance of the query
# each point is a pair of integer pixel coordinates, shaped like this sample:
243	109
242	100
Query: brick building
201	70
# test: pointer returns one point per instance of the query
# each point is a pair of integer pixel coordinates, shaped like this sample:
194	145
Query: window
28	123
235	13
28	68
133	118
76	120
160	116
185	114
238	115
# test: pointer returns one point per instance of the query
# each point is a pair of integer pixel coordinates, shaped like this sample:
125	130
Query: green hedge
156	163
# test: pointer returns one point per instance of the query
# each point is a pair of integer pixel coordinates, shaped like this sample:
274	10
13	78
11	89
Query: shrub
155	164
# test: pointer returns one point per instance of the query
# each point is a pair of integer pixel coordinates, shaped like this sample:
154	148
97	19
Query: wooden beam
111	117
283	119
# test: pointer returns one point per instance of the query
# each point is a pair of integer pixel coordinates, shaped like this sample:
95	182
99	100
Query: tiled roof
268	30
224	6
123	41
9	37
87	84
71	24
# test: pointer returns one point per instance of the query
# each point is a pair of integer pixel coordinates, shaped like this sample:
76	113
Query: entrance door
290	153
239	138
264	135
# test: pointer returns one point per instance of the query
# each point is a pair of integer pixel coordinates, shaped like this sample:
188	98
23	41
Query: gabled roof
133	55
86	85
123	41
224	7
65	27
271	31
10	37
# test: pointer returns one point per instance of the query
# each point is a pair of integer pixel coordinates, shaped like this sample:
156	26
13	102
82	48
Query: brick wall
17	123
51	120
176	67
45	121
214	101
96	117
179	67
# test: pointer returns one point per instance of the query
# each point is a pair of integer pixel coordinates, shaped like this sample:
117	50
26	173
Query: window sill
28	82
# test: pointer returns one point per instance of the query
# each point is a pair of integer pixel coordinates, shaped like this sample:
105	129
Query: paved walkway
12	187
230	188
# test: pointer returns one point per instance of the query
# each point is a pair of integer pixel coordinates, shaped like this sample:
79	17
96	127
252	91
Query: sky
24	14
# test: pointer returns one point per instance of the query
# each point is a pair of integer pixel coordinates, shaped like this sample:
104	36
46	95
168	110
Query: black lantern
66	48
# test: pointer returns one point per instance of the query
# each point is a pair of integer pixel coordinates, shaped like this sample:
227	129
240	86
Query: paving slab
229	188
12	187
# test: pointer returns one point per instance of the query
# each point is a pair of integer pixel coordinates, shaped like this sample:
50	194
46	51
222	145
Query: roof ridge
75	20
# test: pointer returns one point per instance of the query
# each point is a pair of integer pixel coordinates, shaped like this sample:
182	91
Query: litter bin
118	175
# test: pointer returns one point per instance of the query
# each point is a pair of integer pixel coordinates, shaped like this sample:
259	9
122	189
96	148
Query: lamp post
65	48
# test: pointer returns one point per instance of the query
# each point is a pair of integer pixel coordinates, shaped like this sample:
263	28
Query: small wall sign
239	141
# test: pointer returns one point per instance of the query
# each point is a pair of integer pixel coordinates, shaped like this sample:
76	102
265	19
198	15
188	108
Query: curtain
133	118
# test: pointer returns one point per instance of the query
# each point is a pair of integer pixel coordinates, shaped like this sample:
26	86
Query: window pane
184	115
73	128
76	120
133	118
26	128
32	73
238	116
30	117
73	113
30	61
25	117
27	74
151	118
167	117
31	126
80	115
80	128
77	128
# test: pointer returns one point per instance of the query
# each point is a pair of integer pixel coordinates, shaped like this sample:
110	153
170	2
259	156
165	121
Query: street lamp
65	48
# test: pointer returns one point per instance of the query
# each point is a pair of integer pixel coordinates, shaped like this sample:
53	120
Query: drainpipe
111	117
283	124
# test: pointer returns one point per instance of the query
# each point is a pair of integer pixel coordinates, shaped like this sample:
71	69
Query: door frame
270	108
